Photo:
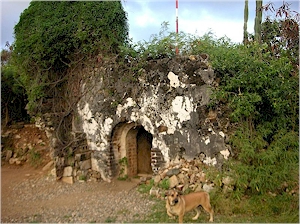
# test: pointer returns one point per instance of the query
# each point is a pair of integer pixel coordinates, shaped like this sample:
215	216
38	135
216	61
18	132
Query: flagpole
176	49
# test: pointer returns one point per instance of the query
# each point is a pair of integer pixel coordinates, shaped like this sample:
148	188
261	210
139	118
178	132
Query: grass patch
283	208
35	157
110	220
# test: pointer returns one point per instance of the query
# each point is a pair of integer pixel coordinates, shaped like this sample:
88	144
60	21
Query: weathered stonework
167	101
134	118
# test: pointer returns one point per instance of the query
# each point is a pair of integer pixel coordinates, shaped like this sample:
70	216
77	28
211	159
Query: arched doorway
144	145
131	148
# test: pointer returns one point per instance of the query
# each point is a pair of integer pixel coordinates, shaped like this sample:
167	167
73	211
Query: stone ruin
136	120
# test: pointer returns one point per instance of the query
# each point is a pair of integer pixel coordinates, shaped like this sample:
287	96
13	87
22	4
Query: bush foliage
51	37
258	84
262	91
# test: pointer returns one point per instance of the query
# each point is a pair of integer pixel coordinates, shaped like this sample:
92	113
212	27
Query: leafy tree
54	36
13	97
282	32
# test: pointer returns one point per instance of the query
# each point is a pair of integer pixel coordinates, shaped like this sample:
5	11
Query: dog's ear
167	193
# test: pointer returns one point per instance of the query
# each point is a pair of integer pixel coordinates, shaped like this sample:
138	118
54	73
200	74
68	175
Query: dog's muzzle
175	201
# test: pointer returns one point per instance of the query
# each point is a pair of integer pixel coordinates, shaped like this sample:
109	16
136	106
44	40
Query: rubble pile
187	176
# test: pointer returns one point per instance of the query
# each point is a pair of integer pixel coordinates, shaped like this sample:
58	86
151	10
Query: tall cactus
246	14
258	20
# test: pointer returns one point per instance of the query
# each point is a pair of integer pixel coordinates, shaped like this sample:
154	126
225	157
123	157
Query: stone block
173	182
68	171
156	179
154	191
68	180
198	188
228	181
48	166
172	172
85	165
9	154
208	187
12	160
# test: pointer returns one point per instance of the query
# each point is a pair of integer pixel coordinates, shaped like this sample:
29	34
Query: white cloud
140	14
205	22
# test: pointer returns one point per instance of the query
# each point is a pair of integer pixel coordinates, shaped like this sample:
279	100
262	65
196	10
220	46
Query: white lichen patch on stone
221	133
210	161
183	106
170	121
90	126
174	81
129	103
159	143
107	127
225	153
96	128
207	141
212	131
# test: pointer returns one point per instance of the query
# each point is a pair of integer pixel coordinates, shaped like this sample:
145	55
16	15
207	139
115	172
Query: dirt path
29	195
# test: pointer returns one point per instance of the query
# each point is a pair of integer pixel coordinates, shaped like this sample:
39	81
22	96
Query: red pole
176	49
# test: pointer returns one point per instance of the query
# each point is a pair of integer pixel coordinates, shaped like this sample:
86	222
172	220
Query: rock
68	180
156	179
225	153
12	160
192	57
202	177
143	179
227	189
182	178
48	166
9	154
227	181
172	172
208	187
53	172
185	169
154	191
68	171
162	128
192	178
198	188
85	165
185	187
173	181
180	187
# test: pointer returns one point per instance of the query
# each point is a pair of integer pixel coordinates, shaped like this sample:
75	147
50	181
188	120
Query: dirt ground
17	183
29	194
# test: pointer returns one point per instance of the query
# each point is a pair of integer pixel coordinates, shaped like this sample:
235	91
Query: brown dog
180	204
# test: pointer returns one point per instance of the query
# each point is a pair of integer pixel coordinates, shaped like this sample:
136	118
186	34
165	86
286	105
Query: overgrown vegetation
52	37
54	41
262	90
258	82
13	96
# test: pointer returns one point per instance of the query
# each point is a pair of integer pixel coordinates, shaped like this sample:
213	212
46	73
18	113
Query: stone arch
133	142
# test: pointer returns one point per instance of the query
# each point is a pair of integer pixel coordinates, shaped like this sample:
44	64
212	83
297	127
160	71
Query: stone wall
135	117
167	98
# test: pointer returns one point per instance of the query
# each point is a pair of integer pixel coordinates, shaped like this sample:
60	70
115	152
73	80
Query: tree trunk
246	14
258	20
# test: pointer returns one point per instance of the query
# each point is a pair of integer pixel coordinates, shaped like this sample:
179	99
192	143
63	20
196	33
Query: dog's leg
209	209
170	215
181	218
198	213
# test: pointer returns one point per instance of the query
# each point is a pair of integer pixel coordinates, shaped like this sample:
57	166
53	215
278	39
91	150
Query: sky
221	17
